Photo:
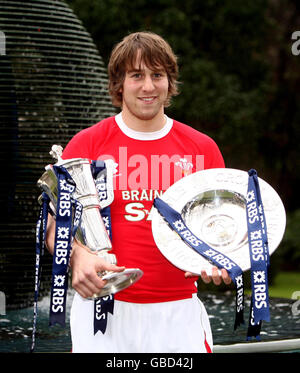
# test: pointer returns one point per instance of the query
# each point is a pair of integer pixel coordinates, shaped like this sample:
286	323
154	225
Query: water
16	325
16	330
283	324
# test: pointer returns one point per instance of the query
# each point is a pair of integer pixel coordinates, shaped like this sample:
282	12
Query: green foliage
285	284
289	250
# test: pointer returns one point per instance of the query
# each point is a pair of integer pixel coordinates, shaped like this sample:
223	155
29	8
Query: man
161	312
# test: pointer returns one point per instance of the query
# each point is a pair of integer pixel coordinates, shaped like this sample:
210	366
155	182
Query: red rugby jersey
147	164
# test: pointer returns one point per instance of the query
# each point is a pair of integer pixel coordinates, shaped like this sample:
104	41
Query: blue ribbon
103	305
39	253
65	230
259	257
68	216
216	258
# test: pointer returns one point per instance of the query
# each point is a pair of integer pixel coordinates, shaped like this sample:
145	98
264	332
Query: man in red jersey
161	312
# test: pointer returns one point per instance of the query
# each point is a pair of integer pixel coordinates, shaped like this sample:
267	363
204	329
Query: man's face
145	91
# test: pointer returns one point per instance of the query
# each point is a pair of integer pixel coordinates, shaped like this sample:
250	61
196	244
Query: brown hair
155	52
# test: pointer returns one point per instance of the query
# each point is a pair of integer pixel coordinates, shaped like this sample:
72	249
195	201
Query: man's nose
148	84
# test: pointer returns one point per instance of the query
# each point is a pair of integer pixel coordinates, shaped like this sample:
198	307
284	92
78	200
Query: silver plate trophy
212	204
92	231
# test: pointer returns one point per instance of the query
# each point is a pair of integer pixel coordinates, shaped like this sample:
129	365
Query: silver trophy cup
91	231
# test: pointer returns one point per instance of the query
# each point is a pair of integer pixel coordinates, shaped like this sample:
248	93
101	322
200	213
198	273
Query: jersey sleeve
215	158
195	141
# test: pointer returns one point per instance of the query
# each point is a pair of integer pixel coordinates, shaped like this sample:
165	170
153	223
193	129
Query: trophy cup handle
56	152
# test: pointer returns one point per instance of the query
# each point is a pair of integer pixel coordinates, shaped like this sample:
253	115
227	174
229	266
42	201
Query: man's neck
144	125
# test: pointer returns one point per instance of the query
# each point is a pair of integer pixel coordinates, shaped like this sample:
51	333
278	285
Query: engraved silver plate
213	205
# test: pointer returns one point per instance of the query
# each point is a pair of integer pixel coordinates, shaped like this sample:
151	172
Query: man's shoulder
102	125
191	133
85	141
200	143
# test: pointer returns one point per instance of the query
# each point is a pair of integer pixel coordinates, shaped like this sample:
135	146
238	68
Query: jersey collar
144	135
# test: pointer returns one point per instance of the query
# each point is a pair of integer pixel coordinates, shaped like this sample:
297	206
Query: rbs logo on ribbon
2	44
296	44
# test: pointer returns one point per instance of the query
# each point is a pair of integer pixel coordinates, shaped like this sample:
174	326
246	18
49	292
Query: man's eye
158	75
136	75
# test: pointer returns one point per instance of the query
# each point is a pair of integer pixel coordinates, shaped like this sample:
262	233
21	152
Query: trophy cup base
117	281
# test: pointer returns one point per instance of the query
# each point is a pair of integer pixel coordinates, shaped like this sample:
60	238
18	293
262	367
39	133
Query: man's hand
85	266
215	277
